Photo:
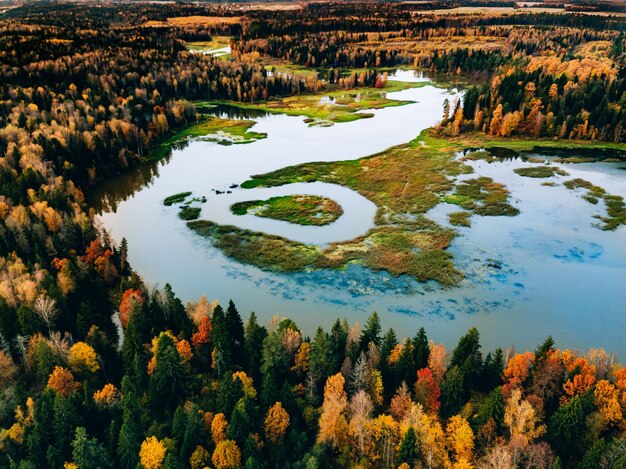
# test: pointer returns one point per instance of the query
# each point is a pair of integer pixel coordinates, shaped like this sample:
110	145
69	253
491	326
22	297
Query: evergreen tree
452	392
87	453
169	383
131	434
253	347
235	327
371	331
421	349
408	448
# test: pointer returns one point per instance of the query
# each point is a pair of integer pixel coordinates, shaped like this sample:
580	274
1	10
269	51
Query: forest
100	370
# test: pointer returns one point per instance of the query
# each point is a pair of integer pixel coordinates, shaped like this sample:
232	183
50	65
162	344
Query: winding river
547	271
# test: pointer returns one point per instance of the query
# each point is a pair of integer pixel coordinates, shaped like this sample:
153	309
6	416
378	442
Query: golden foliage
607	399
152	453
276	423
226	455
521	419
460	438
82	357
108	396
200	458
62	381
332	422
246	383
219	425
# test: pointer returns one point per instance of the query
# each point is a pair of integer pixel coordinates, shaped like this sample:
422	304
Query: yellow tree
276	423
521	419
226	455
332	422
607	399
386	437
430	435
82	357
219	425
460	438
152	453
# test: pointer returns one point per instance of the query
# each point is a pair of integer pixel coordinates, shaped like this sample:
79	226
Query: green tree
408	448
87	453
169	382
371	331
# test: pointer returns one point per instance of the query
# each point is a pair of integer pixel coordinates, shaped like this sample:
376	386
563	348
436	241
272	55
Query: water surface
547	271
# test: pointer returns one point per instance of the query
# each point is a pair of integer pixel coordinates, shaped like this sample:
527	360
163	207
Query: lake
547	271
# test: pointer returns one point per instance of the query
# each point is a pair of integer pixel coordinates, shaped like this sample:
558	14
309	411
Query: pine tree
253	346
131	434
421	350
408	448
88	453
371	331
168	384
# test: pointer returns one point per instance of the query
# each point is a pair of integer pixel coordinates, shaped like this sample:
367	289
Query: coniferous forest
99	369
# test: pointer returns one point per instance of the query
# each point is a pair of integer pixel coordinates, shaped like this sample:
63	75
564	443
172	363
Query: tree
521	419
62	381
253	346
607	399
83	358
152	453
452	391
421	349
460	438
219	426
567	426
276	423
427	391
226	455
408	448
131	434
168	384
87	453
332	423
371	331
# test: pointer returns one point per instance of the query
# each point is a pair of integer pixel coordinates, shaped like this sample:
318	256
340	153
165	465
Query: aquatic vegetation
540	171
212	129
176	198
299	209
615	207
189	213
332	107
460	218
483	196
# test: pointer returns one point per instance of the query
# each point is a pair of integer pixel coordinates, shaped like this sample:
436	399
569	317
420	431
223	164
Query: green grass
404	182
460	218
176	198
615	207
298	209
214	129
539	171
189	213
345	108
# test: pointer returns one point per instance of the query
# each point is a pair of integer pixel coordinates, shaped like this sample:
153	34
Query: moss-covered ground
298	209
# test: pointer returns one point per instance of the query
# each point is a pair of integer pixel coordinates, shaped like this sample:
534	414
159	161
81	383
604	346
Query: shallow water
547	271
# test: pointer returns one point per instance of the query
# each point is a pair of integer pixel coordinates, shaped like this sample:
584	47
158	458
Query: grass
539	171
212	129
460	218
176	198
615	207
342	105
298	209
404	182
189	213
216	42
